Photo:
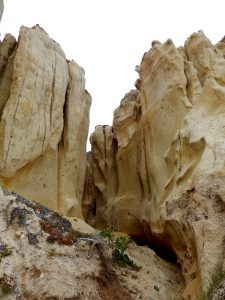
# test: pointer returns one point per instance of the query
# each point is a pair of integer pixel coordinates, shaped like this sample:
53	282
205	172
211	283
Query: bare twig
94	241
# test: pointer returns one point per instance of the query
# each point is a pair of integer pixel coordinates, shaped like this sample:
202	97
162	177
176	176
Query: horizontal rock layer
44	119
158	173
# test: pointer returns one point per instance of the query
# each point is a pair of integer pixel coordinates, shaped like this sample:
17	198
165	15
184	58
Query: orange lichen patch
59	229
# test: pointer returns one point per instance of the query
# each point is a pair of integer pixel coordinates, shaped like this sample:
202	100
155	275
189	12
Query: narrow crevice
6	73
161	251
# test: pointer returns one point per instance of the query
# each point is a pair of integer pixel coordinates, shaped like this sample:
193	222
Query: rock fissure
53	87
31	128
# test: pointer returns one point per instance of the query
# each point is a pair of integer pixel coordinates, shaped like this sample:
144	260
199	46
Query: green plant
121	243
6	283
122	258
5	250
6	288
217	277
119	252
107	234
119	247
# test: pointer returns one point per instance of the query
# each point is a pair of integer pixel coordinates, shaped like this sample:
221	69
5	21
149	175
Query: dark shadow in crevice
162	251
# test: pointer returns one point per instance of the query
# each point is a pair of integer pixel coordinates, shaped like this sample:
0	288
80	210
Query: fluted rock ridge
44	111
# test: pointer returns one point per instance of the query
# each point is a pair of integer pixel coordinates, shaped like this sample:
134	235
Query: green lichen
5	250
52	253
6	283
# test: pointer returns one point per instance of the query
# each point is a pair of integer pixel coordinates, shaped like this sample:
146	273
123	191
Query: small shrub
106	234
122	258
119	247
121	243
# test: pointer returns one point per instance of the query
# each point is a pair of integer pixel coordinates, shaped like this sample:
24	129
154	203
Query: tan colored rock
157	278
34	111
7	55
170	158
44	270
129	159
44	121
87	201
104	175
72	149
1	8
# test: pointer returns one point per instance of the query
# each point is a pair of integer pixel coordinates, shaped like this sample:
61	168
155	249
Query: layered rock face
44	119
158	173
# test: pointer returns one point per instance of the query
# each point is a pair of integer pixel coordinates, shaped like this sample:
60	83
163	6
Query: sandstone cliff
158	173
44	119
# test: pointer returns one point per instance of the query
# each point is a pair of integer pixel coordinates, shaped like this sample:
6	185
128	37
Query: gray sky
108	38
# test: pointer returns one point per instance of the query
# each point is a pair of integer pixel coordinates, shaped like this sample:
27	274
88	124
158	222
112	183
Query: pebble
156	288
18	234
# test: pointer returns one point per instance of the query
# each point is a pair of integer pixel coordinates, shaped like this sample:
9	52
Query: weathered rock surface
1	8
33	266
44	119
158	173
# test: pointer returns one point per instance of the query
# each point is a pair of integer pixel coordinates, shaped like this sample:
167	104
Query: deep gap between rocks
162	251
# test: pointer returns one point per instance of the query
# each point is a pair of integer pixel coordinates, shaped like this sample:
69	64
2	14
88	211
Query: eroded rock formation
158	173
44	111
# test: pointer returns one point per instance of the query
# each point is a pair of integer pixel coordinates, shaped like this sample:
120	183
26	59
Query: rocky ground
44	257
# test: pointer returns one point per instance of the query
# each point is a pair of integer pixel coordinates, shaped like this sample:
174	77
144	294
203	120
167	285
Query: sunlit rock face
159	173
44	119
